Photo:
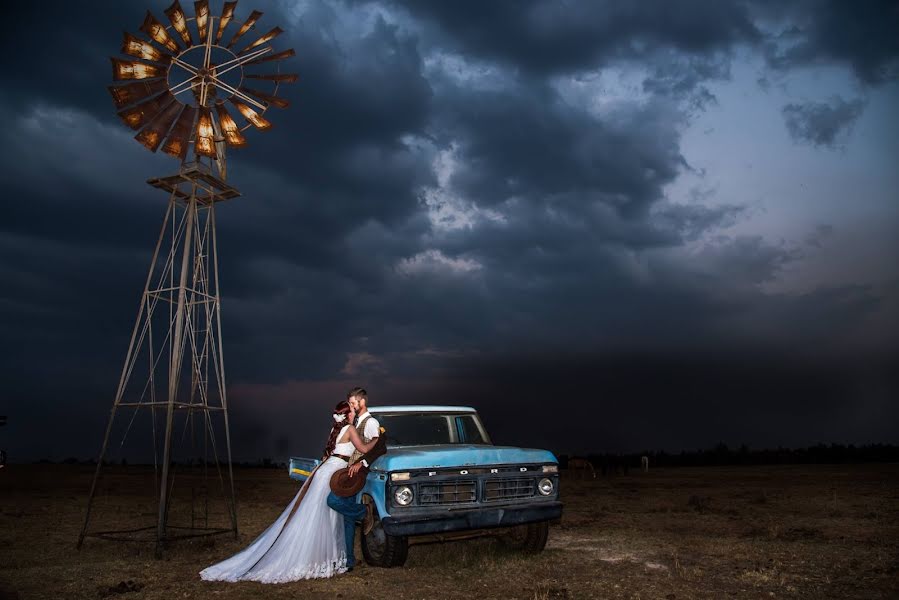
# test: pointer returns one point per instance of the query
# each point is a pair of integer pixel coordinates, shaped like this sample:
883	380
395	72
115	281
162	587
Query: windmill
177	88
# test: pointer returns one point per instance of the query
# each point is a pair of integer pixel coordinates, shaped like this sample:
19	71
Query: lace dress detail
308	545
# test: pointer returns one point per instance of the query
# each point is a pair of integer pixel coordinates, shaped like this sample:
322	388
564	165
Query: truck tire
382	550
530	538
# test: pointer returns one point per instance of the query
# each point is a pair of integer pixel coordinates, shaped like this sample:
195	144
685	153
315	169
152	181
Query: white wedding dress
308	545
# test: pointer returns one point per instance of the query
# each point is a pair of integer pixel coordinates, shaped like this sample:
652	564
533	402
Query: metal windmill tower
173	89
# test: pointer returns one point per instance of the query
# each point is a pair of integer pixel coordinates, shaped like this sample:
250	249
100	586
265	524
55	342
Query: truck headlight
403	495
545	487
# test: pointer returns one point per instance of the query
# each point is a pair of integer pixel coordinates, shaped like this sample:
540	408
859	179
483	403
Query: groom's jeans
352	512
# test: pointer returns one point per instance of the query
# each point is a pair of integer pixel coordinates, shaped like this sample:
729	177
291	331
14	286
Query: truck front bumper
475	518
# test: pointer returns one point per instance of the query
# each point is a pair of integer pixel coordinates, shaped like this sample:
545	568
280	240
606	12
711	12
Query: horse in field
580	467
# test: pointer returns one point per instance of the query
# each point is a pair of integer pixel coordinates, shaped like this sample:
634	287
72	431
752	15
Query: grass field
750	532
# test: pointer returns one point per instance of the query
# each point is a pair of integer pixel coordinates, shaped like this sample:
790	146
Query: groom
368	428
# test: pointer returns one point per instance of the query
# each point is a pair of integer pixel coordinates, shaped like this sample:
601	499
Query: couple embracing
314	535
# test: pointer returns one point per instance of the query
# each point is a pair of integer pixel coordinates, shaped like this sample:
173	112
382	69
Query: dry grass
779	532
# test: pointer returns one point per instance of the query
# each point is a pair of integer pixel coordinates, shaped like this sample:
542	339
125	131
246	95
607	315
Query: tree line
723	455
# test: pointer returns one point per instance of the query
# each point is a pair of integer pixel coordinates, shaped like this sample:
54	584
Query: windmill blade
205	138
251	20
251	115
273	100
275	32
153	134
227	15
201	9
279	56
134	69
130	93
179	139
176	15
230	130
138	48
157	32
141	114
279	77
149	103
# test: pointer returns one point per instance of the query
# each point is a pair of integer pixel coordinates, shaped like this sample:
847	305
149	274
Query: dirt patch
122	587
674	534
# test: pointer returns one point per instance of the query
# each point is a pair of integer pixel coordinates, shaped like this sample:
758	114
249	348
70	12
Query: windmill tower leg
126	369
221	369
175	369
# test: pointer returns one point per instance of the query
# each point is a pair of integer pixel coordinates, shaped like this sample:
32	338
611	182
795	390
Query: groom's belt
342	456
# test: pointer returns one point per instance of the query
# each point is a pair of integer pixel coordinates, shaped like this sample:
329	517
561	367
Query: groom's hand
353	469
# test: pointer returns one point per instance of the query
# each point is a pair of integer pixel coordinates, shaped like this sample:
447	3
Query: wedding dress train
307	545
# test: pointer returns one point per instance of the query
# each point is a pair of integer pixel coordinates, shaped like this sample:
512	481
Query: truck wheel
530	538
382	550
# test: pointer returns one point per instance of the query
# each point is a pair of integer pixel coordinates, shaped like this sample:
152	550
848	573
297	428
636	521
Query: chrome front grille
508	488
447	492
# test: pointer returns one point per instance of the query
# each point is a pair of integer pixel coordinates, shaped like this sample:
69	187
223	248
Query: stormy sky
609	226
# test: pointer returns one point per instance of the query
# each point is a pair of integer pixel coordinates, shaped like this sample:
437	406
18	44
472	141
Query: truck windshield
423	429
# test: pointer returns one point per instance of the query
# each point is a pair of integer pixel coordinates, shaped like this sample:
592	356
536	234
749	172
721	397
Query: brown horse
580	467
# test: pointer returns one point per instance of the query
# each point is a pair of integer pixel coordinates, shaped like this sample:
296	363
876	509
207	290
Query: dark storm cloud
526	141
436	234
69	48
822	123
547	37
861	35
76	235
682	45
684	77
690	221
339	148
588	171
819	236
75	169
745	260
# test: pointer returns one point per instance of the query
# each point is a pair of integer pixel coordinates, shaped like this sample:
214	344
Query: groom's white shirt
372	429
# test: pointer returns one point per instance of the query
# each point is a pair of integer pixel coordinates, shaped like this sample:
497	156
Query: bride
307	540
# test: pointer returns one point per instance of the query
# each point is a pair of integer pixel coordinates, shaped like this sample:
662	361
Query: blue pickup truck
443	479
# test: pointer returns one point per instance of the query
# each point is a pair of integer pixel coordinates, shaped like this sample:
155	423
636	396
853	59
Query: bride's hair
342	408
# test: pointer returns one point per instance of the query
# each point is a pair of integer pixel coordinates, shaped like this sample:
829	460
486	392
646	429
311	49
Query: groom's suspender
360	429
